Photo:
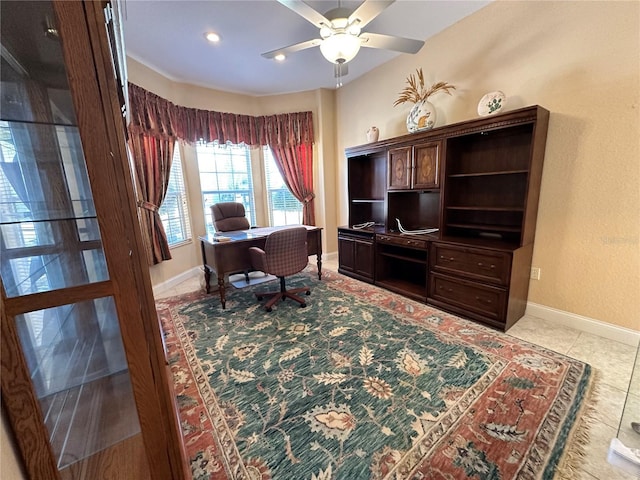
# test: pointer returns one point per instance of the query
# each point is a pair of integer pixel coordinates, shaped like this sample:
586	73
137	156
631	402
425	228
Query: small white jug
372	134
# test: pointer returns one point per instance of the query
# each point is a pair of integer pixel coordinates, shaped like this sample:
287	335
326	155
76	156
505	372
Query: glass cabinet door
50	241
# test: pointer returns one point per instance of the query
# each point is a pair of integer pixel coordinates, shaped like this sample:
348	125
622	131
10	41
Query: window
174	211
284	208
225	176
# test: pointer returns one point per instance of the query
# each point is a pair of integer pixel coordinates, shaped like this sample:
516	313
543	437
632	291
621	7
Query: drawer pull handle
481	300
492	266
450	259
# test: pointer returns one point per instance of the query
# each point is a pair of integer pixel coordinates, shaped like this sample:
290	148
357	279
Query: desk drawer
402	241
475	263
484	300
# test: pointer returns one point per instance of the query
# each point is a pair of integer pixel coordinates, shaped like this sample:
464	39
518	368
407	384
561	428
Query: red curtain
295	163
154	115
156	123
152	161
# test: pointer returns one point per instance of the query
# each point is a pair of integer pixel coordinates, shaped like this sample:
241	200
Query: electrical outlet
535	273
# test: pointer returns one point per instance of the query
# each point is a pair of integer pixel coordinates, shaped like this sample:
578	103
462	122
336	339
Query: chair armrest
258	259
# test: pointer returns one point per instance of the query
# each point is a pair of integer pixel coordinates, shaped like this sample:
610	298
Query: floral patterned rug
366	384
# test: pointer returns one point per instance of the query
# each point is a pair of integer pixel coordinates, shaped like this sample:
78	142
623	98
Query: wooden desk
223	258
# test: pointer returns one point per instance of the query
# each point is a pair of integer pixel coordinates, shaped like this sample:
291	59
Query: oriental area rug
366	384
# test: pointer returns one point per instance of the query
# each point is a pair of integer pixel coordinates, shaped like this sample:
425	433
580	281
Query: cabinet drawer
484	300
402	241
473	263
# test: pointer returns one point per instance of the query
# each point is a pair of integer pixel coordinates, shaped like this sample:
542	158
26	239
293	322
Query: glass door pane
79	372
49	233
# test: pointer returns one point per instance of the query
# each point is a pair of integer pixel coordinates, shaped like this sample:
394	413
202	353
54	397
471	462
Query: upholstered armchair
284	254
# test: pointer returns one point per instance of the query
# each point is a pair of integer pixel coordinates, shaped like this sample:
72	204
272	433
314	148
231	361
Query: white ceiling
168	36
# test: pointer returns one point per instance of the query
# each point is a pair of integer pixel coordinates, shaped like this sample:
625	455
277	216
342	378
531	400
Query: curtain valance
154	115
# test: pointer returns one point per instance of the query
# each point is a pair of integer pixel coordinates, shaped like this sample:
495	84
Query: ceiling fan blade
306	12
368	10
388	42
293	48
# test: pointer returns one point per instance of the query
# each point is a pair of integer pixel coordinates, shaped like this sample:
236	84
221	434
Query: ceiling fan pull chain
338	73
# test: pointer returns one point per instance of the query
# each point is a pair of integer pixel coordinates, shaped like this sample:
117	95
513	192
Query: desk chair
284	254
230	216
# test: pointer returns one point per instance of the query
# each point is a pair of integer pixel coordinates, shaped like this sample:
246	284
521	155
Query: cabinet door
364	258
346	253
426	166
400	168
83	374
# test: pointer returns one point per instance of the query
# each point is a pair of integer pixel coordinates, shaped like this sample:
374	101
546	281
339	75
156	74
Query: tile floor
612	360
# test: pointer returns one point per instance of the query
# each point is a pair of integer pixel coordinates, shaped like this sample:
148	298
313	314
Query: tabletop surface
249	234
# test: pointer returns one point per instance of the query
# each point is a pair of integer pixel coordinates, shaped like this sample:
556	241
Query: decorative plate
491	103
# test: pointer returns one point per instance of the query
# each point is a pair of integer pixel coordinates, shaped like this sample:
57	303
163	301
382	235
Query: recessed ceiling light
280	57
212	37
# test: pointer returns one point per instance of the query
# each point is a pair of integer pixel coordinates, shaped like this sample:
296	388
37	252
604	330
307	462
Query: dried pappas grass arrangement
415	91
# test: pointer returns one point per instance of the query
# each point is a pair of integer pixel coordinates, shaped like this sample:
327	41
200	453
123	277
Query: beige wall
580	60
320	102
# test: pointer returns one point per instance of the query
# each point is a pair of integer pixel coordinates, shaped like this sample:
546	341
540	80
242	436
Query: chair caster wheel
269	309
308	292
259	298
302	305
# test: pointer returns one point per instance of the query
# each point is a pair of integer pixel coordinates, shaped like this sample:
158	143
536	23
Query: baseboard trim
584	324
177	280
161	288
328	257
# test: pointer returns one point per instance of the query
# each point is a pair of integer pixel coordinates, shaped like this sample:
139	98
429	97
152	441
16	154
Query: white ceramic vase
372	134
421	117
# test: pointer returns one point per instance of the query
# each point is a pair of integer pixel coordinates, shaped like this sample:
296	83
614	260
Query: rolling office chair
284	254
230	216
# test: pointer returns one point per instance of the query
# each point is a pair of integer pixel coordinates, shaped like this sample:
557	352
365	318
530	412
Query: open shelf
415	209
484	227
487	209
367	188
404	287
487	174
402	269
403	257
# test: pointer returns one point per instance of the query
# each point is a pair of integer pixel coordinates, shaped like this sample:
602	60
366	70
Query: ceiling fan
341	34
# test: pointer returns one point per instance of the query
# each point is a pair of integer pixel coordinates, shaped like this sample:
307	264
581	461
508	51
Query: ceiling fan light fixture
280	57
354	29
325	32
340	48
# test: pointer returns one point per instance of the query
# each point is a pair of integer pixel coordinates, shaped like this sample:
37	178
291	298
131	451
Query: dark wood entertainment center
478	183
